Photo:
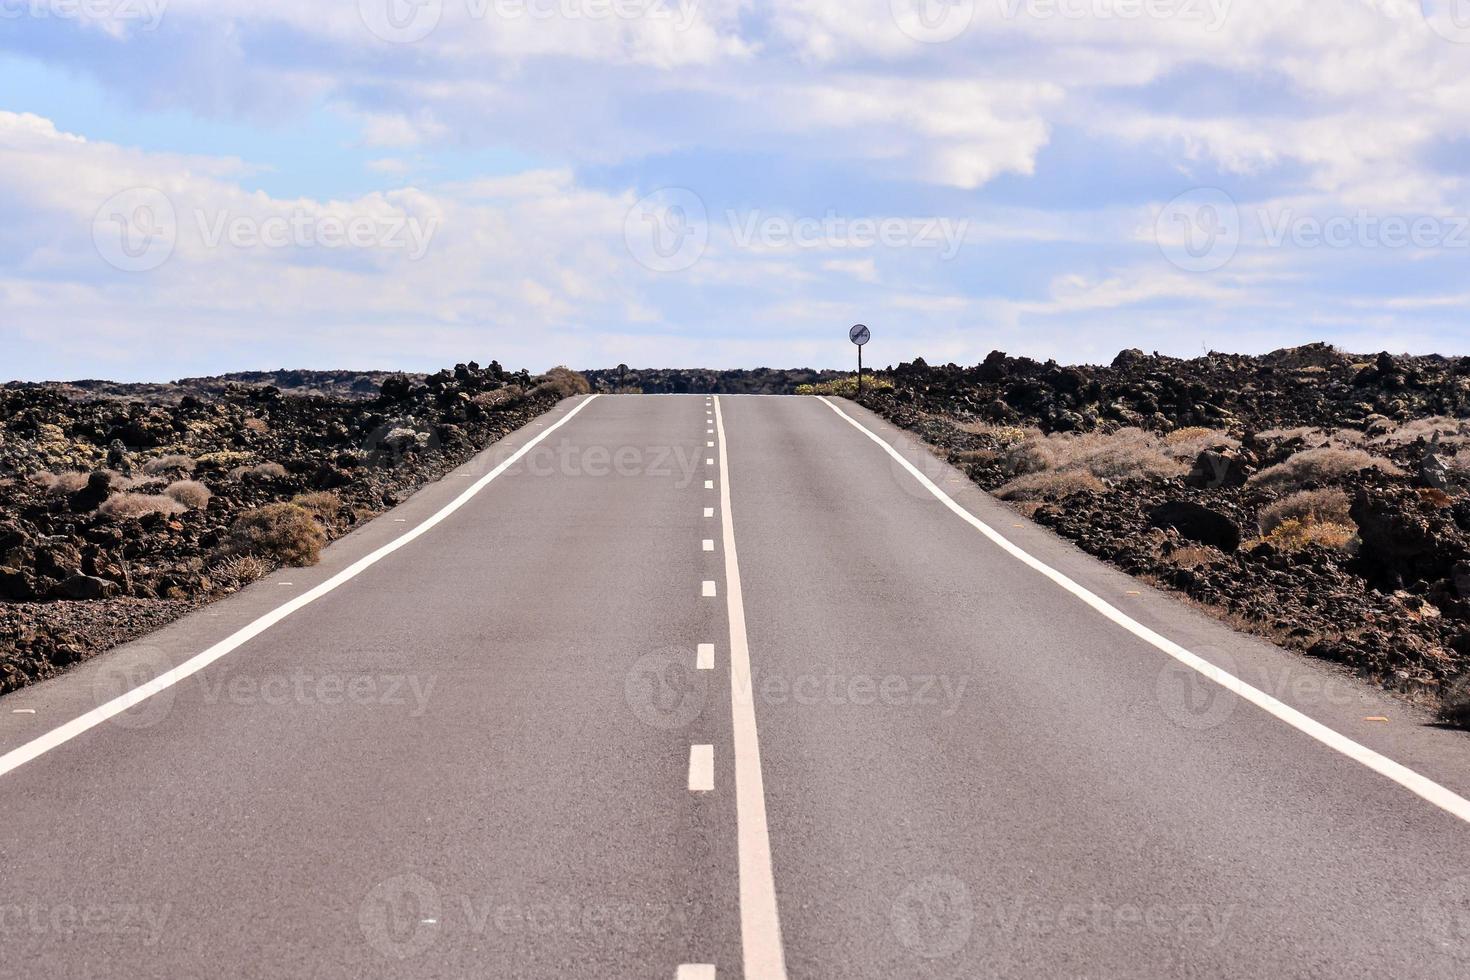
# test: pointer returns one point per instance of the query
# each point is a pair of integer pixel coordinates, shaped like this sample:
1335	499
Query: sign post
860	335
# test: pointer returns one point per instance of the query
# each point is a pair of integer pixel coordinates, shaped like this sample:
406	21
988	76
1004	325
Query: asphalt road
718	687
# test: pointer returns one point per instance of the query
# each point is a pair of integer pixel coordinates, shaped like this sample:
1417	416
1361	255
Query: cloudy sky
197	186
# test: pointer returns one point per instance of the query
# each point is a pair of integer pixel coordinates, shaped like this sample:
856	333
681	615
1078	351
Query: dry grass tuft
165	465
237	572
1294	535
191	493
1049	485
261	471
60	484
126	506
282	532
1321	466
1308	507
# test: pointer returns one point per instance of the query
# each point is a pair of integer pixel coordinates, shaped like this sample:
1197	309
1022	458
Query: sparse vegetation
1328	506
167	465
191	493
1049	485
1294	535
324	505
847	387
1322	465
260	471
126	506
563	382
236	572
61	483
281	532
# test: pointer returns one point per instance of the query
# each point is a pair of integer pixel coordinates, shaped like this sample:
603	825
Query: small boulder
86	587
1216	468
1197	523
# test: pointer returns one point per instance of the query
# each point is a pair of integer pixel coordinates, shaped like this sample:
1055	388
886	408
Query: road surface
691	687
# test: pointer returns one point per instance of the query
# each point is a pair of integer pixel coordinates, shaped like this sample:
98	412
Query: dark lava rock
1197	523
98	488
87	587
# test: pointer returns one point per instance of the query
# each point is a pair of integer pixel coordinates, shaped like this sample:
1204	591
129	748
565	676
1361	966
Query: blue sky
197	186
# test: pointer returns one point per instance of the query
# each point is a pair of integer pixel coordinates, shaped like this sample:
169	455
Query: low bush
61	484
191	493
1294	535
281	532
563	382
324	505
1321	466
846	387
126	506
165	465
237	572
1049	485
1307	507
499	397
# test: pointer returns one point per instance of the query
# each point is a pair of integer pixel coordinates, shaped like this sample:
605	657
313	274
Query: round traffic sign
859	335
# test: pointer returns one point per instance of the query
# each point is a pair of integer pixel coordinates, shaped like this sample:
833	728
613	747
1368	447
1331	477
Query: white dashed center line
709	544
709	512
709	484
706	659
709	589
701	768
696	971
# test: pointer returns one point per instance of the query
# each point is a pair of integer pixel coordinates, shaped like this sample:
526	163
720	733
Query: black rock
1197	523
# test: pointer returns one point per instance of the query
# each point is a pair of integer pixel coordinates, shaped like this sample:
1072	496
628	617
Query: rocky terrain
666	381
1319	498
122	506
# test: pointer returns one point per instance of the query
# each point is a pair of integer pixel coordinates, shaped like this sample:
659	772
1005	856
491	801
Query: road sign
859	335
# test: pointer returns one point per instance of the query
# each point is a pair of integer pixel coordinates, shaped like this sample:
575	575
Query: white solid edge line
706	656
701	768
760	922
42	744
1446	799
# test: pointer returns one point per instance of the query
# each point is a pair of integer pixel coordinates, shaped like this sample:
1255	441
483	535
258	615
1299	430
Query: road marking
709	484
709	462
1421	786
706	660
696	971
760	921
701	768
709	445
709	589
709	512
42	744
709	432
709	544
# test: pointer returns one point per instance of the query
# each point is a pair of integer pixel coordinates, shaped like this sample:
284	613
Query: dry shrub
125	506
164	465
1294	535
1321	466
1005	435
563	382
1190	441
974	457
282	532
261	471
238	572
1050	485
1031	456
1307	507
498	397
1461	461
324	505
1193	556
61	483
1306	433
1451	432
191	493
